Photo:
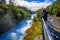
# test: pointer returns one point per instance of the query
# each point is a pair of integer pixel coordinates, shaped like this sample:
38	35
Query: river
18	32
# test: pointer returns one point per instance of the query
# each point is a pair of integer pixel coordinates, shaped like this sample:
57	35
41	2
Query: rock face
6	23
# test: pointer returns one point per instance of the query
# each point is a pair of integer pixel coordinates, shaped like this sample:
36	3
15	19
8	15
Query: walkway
55	21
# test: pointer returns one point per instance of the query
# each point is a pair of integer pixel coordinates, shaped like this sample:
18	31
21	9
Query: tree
54	8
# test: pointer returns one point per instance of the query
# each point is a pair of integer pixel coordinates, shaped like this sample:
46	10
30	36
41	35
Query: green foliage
54	8
36	19
18	12
32	32
38	12
36	29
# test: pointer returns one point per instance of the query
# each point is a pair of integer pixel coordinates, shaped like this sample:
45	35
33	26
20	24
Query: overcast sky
33	5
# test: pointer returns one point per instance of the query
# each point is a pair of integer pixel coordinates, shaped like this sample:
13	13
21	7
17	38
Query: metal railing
48	31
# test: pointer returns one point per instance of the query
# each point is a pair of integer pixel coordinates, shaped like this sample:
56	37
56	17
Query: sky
33	5
38	0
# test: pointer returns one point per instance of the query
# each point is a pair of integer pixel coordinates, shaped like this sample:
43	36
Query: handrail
47	35
54	33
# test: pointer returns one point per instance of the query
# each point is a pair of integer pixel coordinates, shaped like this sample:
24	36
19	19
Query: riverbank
34	30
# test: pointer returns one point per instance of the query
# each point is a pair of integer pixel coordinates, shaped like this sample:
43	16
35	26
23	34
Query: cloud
33	6
7	1
47	1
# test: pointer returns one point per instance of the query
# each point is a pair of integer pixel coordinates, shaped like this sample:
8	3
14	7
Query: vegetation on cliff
10	15
53	9
36	29
17	11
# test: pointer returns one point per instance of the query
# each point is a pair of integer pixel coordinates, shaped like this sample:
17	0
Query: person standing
44	15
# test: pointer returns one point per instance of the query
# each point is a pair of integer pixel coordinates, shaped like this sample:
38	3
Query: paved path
38	37
55	21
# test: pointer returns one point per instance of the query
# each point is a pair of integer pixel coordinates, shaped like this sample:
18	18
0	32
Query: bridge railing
55	34
46	32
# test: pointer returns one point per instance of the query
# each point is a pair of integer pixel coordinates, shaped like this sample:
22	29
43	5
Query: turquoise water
14	34
18	32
